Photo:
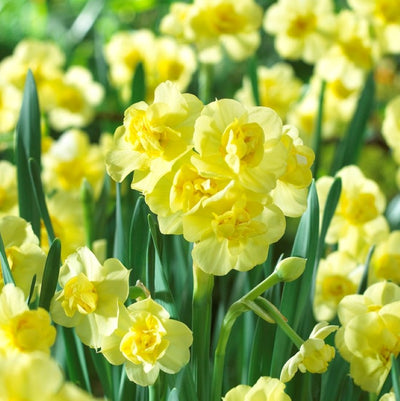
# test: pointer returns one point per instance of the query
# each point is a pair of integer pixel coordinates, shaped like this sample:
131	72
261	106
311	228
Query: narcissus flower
36	377
338	275
303	29
147	341
153	136
215	24
22	329
370	333
25	258
265	389
10	104
314	355
8	189
91	296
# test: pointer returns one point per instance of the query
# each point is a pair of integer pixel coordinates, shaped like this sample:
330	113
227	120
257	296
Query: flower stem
203	284
205	82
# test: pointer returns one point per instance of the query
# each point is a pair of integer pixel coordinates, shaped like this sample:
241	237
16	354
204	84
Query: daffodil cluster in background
199	200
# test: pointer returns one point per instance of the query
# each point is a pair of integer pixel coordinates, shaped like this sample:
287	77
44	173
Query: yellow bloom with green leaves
91	295
153	136
25	257
265	389
147	341
314	355
370	333
22	329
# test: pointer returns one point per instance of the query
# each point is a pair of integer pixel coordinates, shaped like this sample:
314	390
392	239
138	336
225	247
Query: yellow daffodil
278	88
388	397
10	104
337	276
369	333
314	355
240	143
147	341
22	329
153	136
358	222
302	29
215	24
265	389
36	377
25	258
8	189
232	230
91	295
70	159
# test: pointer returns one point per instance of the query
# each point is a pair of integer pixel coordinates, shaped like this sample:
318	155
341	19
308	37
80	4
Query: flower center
144	341
225	20
359	209
388	267
336	287
302	25
79	295
242	144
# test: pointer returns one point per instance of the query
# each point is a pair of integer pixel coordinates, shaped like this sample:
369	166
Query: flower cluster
223	175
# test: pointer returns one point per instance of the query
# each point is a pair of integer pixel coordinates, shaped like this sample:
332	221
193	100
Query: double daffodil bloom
147	341
22	329
91	296
265	389
314	355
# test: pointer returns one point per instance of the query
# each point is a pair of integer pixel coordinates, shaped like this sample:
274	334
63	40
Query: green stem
267	310
205	82
203	284
260	288
88	211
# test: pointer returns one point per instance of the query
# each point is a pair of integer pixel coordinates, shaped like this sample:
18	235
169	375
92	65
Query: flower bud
291	268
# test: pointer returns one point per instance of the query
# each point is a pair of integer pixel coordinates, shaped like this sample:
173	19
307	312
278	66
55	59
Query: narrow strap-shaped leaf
28	144
50	274
119	239
349	147
395	377
103	369
252	72
317	135
34	172
88	211
31	289
127	389
5	267
138	84
364	280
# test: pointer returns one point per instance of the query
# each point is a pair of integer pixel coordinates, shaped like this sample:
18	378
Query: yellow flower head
240	143
66	214
369	333
70	159
154	136
91	295
215	24
338	275
314	355
76	96
36	377
265	389
21	329
8	189
278	88
25	258
385	18
302	29
10	104
385	261
147	341
358	221
232	230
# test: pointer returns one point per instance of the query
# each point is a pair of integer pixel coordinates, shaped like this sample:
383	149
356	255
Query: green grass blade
138	84
34	172
50	274
349	147
5	267
28	144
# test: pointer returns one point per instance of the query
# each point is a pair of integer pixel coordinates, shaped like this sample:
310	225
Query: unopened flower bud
291	268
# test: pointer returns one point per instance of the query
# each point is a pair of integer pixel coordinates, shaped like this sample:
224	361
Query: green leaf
119	239
34	172
50	274
395	377
296	295
364	280
252	72
138	84
103	369
28	145
349	147
5	267
317	135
